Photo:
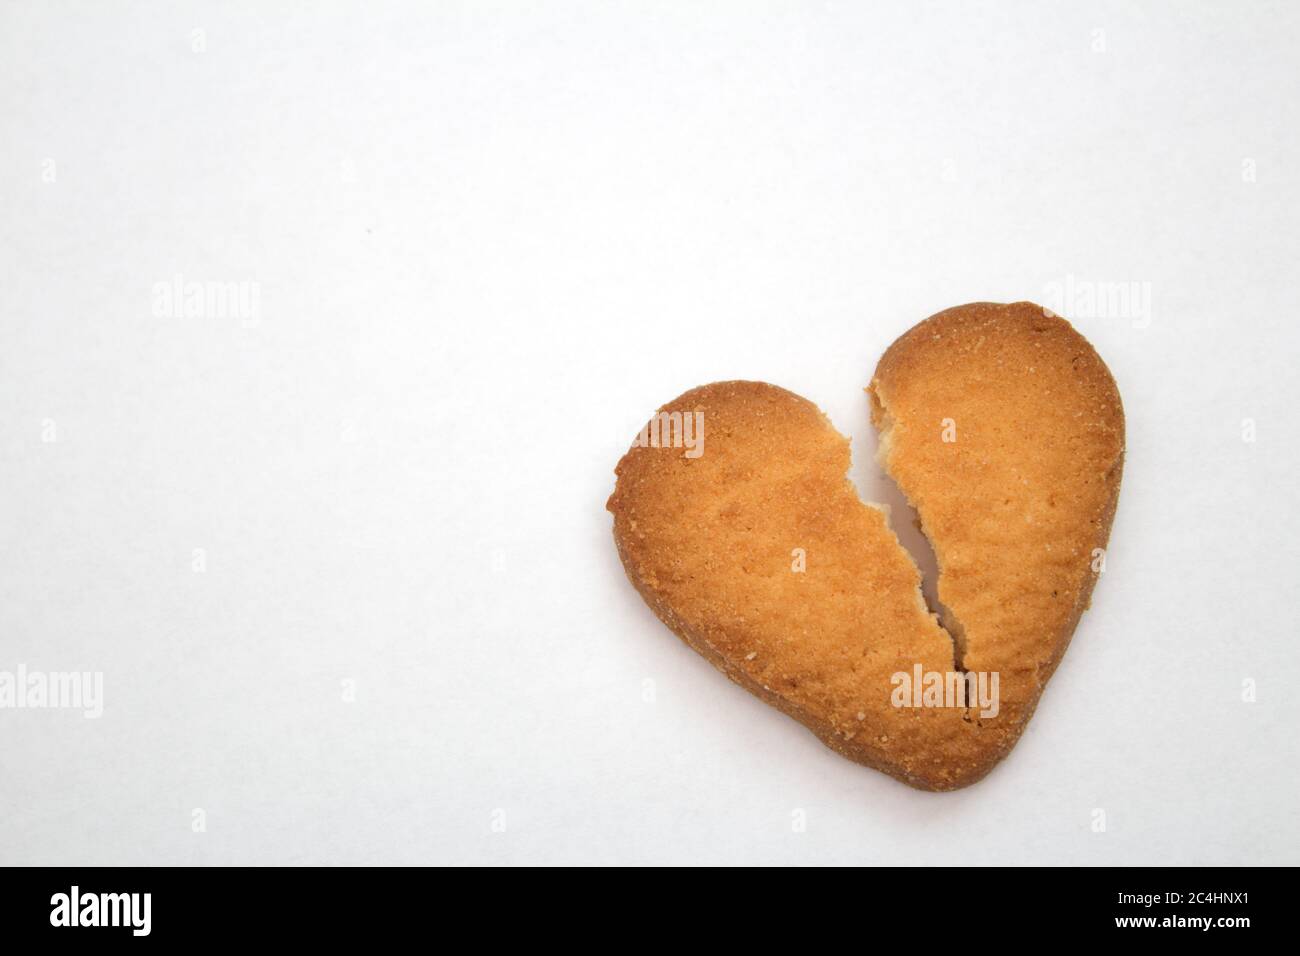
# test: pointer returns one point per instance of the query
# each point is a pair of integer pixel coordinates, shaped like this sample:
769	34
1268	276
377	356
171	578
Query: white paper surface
478	244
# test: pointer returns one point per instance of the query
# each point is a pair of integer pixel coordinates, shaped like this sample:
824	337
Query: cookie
735	520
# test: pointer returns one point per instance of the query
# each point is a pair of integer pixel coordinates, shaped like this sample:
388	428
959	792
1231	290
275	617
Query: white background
488	239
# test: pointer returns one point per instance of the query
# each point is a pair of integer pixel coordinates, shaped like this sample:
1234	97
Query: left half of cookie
736	521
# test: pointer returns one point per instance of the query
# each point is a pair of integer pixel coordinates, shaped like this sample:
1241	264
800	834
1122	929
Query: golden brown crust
1013	507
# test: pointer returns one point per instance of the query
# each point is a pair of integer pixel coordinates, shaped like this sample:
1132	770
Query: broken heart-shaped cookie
1003	428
